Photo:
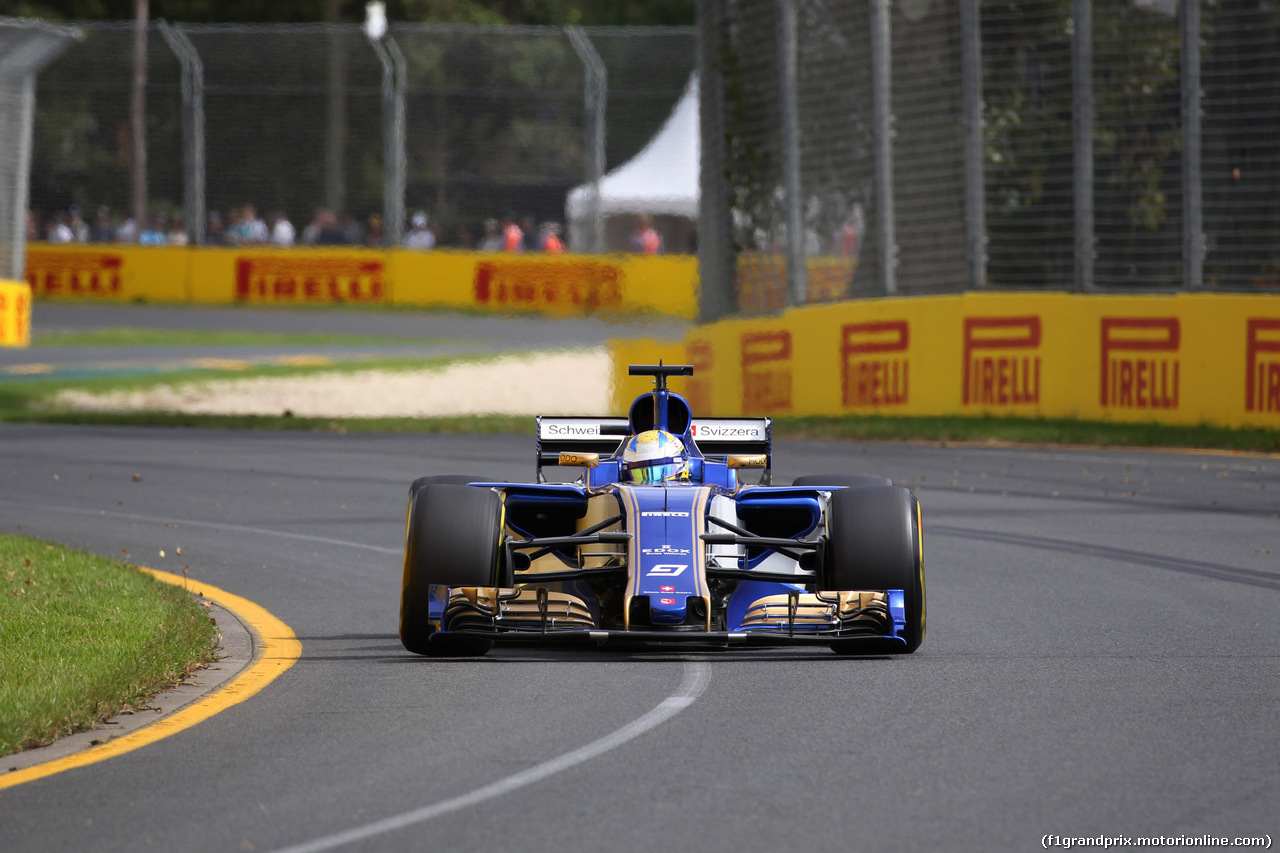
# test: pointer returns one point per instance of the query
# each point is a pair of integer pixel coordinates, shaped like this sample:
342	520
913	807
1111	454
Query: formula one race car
657	542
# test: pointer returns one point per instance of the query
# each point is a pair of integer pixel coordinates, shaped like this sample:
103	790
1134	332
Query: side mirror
742	460
582	460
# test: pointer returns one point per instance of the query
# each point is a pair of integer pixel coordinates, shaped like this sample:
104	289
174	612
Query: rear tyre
875	543
452	537
852	481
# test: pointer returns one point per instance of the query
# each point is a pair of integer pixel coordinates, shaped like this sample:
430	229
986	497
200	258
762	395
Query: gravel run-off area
558	383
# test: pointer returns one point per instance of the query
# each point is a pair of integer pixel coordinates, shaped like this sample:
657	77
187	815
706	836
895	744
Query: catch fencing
917	147
464	123
935	147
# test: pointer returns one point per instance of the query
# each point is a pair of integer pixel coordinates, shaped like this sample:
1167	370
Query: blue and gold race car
659	541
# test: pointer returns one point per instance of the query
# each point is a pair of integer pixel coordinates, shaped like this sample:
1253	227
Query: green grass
34	393
465	424
13	408
28	400
1038	431
126	336
83	637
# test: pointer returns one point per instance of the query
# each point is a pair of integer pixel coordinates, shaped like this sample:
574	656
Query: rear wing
715	438
578	435
720	437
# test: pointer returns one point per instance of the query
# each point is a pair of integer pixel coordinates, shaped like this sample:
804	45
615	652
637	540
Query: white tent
662	181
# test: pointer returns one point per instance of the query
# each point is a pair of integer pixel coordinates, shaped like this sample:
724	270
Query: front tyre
451	479
452	537
875	543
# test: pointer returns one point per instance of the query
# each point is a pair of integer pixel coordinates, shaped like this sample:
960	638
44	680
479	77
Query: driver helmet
655	456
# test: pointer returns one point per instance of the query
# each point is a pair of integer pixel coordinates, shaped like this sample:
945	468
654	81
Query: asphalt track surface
1101	659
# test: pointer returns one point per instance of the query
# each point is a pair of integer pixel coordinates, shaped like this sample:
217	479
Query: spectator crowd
242	226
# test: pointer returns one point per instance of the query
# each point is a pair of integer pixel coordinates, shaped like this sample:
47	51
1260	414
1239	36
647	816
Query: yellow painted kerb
280	650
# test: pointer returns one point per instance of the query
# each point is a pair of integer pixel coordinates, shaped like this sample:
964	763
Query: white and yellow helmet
654	456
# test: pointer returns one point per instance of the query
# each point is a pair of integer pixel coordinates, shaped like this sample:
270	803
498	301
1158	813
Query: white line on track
237	528
697	675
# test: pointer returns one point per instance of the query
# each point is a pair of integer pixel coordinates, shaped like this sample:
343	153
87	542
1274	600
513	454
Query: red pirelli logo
283	279
578	284
1001	360
1140	368
77	274
1262	365
873	365
766	372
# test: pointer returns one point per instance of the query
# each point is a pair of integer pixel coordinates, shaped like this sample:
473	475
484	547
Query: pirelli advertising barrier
1184	359
15	314
550	284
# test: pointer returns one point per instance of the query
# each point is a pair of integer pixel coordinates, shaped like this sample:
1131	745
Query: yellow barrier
288	276
15	314
107	273
548	284
1182	359
761	281
1189	358
624	388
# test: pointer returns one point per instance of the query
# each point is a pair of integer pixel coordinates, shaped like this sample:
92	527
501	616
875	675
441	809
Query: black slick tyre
448	479
875	543
453	537
851	481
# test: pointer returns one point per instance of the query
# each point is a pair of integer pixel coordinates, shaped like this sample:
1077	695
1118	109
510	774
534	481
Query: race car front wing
541	615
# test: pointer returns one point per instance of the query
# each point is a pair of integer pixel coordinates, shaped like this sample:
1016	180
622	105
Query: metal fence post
716	257
797	284
594	96
881	82
1082	124
138	116
394	226
25	48
335	140
192	130
22	174
1192	186
393	157
975	217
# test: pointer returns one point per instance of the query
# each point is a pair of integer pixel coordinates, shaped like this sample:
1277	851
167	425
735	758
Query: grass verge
127	336
940	430
83	637
30	398
474	424
28	401
1030	431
